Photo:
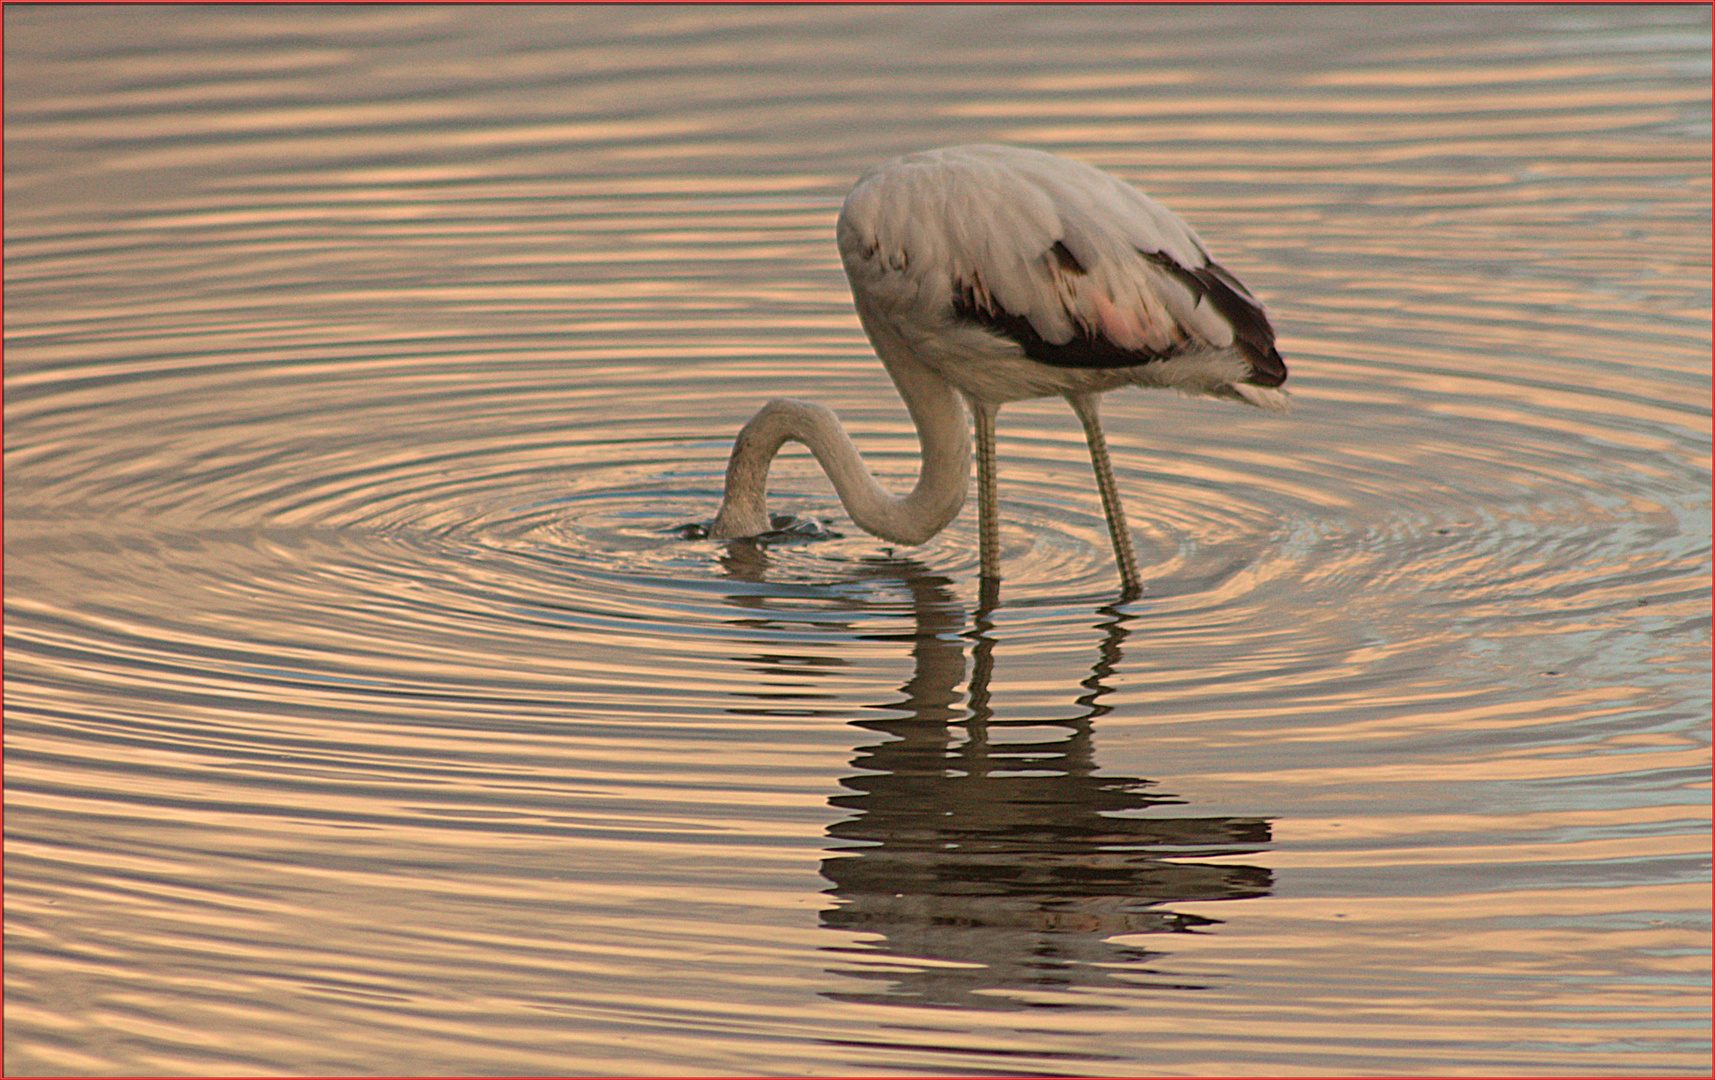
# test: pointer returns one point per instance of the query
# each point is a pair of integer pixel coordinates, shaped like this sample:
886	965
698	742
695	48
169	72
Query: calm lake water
368	709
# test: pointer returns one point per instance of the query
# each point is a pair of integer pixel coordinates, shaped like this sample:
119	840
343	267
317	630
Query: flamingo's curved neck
943	432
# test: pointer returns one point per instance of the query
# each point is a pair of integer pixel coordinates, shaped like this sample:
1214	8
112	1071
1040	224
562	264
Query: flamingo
989	274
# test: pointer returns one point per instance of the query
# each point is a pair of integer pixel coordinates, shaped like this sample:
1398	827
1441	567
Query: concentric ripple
375	700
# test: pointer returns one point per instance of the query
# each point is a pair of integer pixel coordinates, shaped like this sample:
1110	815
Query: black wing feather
1251	329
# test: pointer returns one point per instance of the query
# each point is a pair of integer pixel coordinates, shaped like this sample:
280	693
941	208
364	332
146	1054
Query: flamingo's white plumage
989	274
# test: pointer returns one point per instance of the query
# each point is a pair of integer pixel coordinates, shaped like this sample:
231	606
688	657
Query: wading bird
989	274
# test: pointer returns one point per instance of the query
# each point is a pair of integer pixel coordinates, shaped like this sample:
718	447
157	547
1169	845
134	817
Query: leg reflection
990	860
987	862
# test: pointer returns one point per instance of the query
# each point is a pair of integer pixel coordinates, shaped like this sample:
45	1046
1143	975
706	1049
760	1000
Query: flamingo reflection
989	863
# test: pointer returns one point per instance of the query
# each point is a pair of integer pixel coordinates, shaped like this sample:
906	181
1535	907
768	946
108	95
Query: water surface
369	712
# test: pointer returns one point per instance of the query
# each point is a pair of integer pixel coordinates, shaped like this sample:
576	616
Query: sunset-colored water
371	707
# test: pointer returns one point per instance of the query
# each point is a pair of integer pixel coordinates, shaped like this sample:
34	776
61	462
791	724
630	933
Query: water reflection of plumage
990	860
1017	864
